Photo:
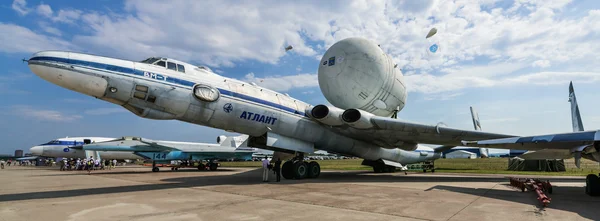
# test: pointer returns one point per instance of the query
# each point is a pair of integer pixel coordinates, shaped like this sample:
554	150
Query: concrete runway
135	193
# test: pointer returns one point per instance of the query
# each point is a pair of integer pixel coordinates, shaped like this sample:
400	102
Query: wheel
592	185
300	170
200	166
212	166
287	170
314	169
424	171
378	169
155	169
176	168
433	170
172	168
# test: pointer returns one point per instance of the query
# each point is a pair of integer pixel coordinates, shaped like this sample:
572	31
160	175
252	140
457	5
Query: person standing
265	164
277	169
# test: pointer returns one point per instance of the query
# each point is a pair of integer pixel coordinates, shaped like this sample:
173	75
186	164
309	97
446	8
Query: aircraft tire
378	169
592	185
213	166
155	169
300	170
287	170
200	166
390	169
314	169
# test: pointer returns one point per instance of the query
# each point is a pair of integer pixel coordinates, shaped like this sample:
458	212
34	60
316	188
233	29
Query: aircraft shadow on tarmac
570	199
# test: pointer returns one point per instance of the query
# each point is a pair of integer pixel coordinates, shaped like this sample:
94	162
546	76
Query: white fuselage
156	92
60	148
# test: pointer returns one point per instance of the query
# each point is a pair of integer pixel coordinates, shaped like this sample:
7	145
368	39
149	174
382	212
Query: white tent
461	154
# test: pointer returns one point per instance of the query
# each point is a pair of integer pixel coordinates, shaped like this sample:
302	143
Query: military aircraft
363	84
142	148
355	75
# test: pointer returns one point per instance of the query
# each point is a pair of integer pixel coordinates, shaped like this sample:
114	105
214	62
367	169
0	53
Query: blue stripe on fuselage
62	143
169	79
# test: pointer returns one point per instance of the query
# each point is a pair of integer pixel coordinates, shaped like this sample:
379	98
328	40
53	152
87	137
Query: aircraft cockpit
165	63
174	64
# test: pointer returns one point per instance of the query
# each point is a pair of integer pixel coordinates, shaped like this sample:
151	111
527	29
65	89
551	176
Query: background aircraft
141	148
578	144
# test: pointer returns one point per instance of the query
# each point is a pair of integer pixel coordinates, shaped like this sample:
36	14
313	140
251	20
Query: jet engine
356	73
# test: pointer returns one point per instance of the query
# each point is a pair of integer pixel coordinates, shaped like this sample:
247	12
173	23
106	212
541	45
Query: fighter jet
355	75
141	148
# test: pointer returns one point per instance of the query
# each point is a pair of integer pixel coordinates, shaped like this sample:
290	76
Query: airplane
142	148
485	152
578	144
363	84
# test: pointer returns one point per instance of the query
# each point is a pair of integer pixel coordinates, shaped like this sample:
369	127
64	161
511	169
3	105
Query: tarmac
136	193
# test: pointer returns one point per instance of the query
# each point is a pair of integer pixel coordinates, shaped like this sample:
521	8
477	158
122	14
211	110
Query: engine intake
326	115
357	118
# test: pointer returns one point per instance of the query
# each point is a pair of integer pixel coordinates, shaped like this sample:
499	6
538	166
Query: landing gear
297	168
592	185
154	167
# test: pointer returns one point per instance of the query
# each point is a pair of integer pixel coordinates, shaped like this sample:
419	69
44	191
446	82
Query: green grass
480	166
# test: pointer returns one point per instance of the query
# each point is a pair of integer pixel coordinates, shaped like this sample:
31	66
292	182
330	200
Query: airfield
235	193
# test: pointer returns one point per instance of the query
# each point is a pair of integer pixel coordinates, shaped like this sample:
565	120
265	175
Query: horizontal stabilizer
441	149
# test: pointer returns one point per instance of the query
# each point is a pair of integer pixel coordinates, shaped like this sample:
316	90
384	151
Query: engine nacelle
357	118
326	115
356	73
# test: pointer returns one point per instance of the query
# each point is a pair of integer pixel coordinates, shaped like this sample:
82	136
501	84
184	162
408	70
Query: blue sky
512	60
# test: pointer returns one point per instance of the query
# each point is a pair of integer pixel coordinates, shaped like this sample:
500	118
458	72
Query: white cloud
430	84
284	83
541	63
105	111
41	114
20	6
44	10
18	39
443	96
67	16
526	34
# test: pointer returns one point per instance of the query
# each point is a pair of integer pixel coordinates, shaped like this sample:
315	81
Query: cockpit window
181	68
172	66
149	60
160	63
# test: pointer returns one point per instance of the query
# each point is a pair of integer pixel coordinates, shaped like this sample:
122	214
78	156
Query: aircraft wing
389	132
575	141
138	144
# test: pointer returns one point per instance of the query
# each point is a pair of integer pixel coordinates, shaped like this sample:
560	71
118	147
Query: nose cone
59	68
37	150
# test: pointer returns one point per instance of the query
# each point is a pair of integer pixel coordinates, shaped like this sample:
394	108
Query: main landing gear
297	168
211	165
592	185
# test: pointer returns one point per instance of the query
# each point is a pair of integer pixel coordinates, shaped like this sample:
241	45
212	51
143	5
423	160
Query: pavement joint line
479	197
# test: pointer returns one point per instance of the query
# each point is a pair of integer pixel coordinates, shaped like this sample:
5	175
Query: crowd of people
86	164
10	162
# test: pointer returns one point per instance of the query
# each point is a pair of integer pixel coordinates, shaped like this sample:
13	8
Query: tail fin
483	152
575	116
